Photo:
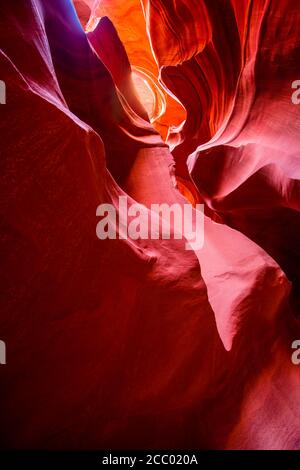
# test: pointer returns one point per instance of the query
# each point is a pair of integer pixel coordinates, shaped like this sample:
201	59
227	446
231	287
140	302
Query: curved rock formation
141	343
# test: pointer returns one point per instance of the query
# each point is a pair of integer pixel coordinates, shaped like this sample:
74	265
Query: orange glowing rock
128	18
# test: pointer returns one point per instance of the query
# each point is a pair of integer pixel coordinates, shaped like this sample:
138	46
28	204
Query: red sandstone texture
143	344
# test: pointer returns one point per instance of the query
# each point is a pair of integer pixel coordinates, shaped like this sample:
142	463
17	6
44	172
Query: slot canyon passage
142	343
